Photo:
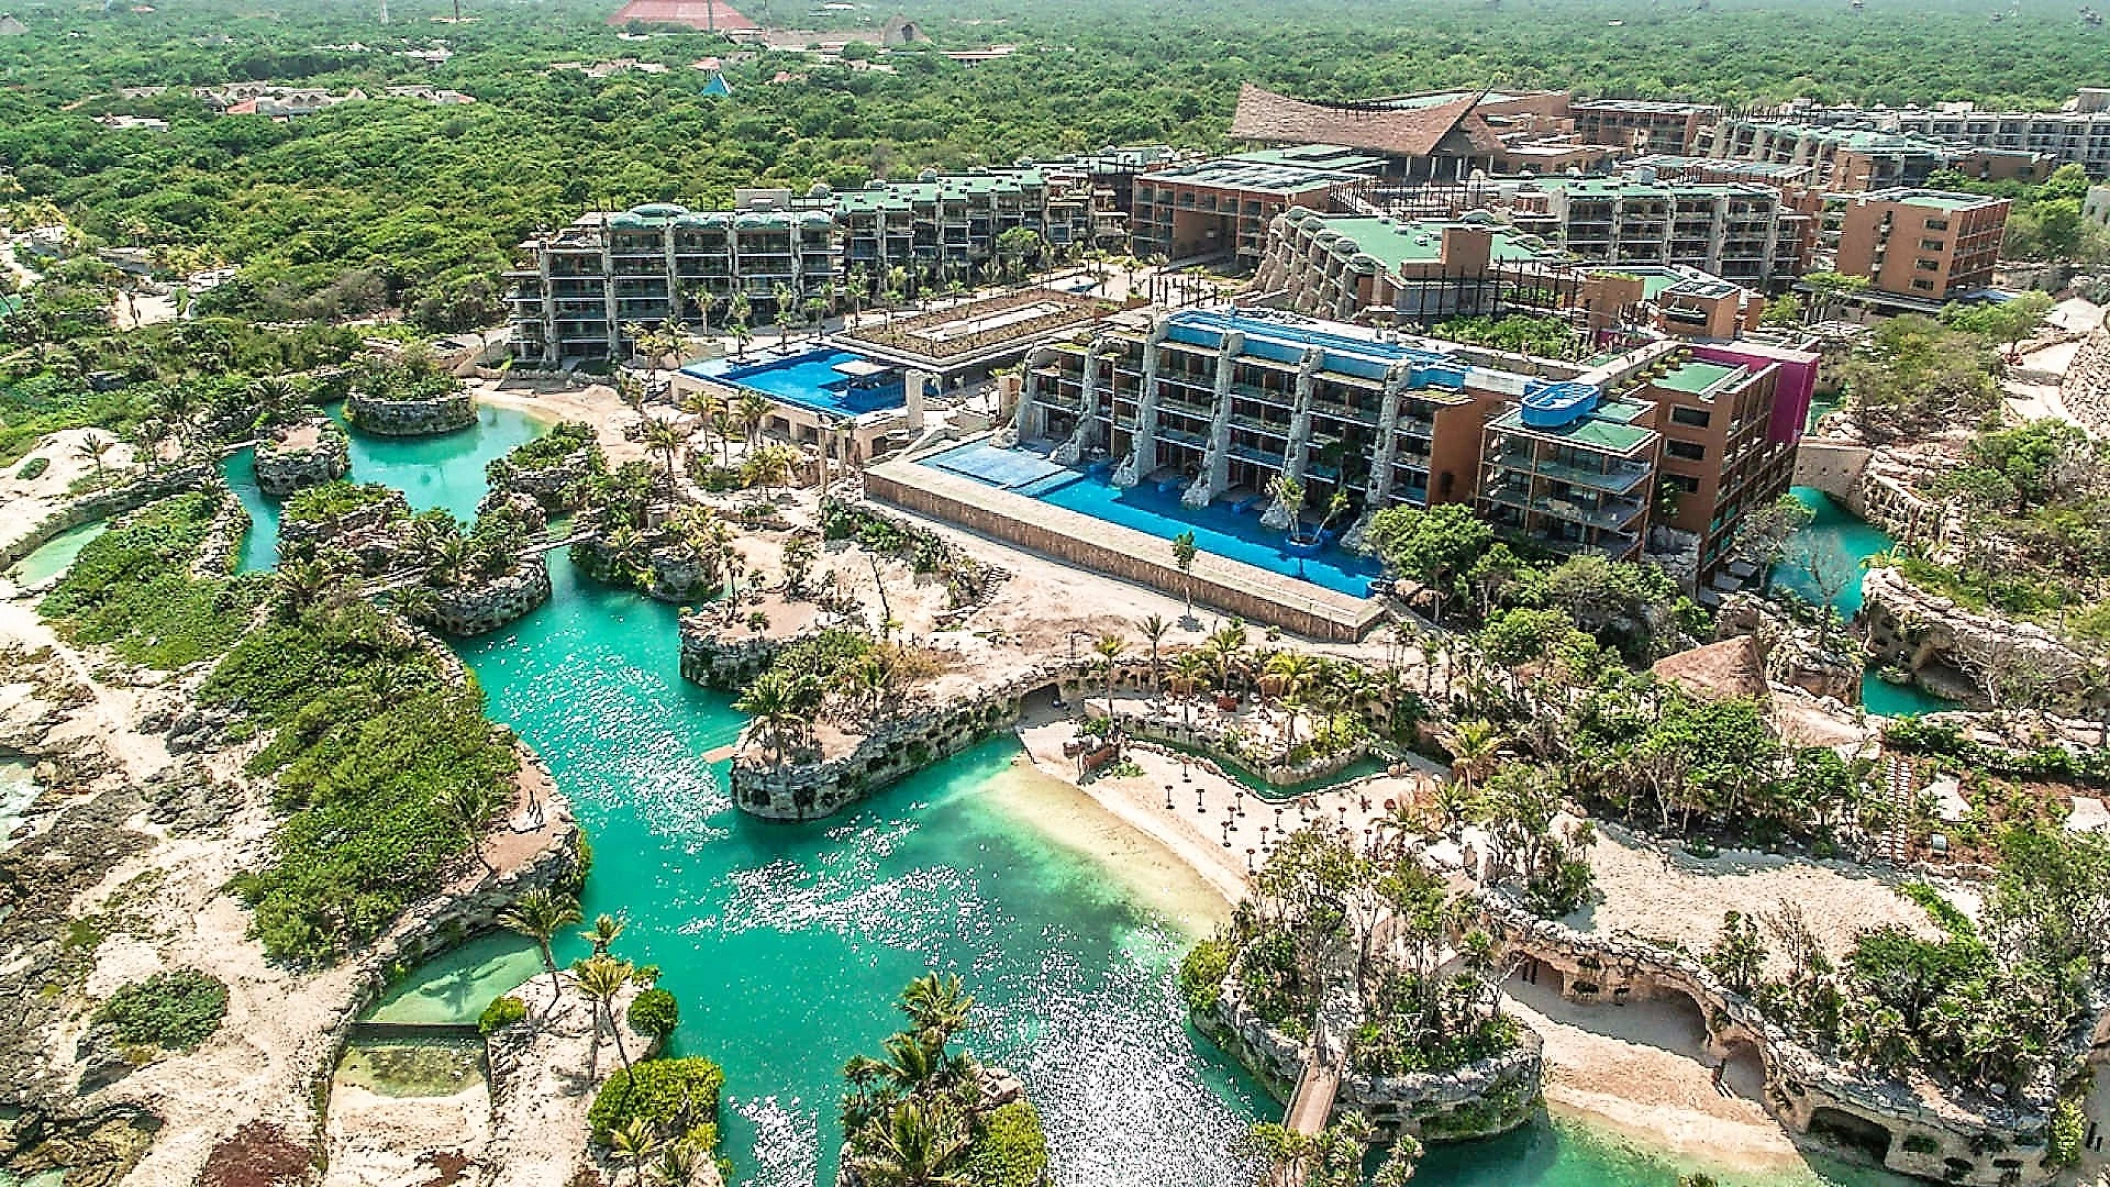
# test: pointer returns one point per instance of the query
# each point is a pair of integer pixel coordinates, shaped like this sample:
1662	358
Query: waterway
18	790
56	555
787	943
1829	554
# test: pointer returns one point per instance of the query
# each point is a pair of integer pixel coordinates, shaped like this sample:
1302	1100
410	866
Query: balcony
1614	478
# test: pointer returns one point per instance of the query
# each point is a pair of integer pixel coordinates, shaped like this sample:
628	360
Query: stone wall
809	791
101	505
371	531
1796	654
1939	642
710	658
480	609
676	573
548	485
410	418
1273	767
282	469
1481	1099
223	544
2085	388
1923	1134
1833	467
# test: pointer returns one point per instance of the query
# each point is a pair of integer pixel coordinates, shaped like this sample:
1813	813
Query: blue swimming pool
812	381
1217	528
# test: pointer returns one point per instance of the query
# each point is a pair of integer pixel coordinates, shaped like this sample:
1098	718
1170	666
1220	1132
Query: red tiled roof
1395	131
696	14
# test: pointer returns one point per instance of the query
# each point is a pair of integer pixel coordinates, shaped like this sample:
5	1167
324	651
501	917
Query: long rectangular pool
812	381
1217	528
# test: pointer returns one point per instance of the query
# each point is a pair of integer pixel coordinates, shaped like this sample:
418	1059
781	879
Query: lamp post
1168	797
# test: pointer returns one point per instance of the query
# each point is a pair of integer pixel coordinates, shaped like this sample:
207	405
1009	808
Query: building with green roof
1413	270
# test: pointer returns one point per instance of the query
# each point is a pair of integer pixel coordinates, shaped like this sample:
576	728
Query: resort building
1924	246
1214	407
580	287
576	289
1859	159
1741	232
1222	207
1345	267
947	225
2077	134
1642	125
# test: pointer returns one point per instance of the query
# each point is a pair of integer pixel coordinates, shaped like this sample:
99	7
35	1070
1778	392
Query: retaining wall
410	418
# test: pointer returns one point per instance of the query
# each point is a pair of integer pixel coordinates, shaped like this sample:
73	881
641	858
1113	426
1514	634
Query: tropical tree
1475	746
1153	630
1183	551
776	708
468	807
937	1006
605	931
635	1142
601	979
739	322
1189	669
539	915
1109	648
663	439
94	447
921	1143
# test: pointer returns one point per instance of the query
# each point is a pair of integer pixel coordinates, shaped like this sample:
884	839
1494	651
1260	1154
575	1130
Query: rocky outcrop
410	418
483	608
808	791
1911	1131
301	454
713	658
371	531
1477	1100
140	491
1944	646
1795	654
2085	388
661	565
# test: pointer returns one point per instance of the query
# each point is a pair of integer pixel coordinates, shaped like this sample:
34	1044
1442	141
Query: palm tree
468	807
1183	551
937	1007
662	438
1153	630
605	931
1109	649
1224	645
920	1144
540	915
739	321
1189	668
773	704
1293	672
299	584
635	1142
601	980
273	393
752	412
786	305
1474	746
93	447
860	287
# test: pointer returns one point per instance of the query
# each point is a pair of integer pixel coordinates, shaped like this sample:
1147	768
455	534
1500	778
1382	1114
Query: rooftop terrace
1393	243
1282	171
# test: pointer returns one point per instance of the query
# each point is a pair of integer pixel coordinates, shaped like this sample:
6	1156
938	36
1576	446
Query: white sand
24	503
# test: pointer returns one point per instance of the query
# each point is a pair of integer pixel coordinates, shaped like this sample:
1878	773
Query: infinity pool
811	381
1234	535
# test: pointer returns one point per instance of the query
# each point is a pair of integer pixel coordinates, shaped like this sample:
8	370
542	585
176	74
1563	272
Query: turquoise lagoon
787	943
56	555
1838	543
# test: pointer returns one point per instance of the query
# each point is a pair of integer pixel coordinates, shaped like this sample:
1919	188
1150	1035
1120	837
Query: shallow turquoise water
18	790
786	943
445	471
1834	547
56	555
456	986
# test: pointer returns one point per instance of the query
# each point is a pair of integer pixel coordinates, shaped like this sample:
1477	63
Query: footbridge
405	578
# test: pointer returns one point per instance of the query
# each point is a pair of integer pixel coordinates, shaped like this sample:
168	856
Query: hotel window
1925	286
1696	417
1930	245
1683	482
1691	451
1927	265
1937	224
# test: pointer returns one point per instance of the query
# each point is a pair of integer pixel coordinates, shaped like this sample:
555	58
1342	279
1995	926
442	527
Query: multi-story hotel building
1345	267
1746	233
577	288
582	286
1222	206
1642	125
950	223
2077	134
1852	160
1220	404
1921	245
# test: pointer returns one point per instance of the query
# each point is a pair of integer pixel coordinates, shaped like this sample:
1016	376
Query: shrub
33	468
1008	1148
175	1010
2069	1128
132	589
674	1096
1919	1143
1202	972
654	1012
502	1012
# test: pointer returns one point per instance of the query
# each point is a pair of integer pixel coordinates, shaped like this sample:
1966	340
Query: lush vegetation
1914	375
919	1114
2045	222
133	587
1987	1008
551	449
676	1097
333	500
384	767
655	1012
504	1011
175	1010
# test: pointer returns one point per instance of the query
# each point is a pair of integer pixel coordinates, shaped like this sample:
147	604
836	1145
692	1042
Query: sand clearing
1669	899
